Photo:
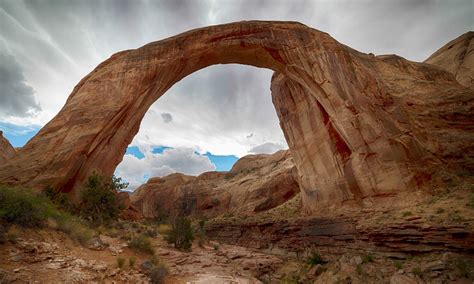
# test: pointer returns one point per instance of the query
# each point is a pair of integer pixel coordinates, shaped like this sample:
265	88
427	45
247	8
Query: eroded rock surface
457	57
255	183
357	125
6	149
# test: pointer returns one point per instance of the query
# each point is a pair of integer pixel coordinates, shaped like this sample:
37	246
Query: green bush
24	207
120	262
141	243
181	234
367	258
417	271
315	258
60	199
158	273
131	261
398	264
99	200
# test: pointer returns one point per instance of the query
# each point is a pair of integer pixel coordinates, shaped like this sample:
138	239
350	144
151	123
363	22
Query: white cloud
183	160
267	148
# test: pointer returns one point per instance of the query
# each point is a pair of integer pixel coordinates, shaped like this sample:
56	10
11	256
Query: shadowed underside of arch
357	125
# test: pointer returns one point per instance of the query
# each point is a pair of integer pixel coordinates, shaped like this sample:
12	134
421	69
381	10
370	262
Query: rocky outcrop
357	125
343	234
6	149
457	57
255	183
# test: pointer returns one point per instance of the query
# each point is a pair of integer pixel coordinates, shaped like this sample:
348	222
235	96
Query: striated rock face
6	149
457	57
357	125
255	183
339	235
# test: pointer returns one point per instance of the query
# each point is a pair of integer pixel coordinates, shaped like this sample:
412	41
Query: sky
214	116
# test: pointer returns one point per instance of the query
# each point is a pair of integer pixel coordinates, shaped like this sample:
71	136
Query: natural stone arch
368	146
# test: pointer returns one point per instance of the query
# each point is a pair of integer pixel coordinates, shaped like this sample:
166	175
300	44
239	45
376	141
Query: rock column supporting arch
345	118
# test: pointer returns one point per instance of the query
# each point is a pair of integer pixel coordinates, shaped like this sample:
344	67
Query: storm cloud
16	97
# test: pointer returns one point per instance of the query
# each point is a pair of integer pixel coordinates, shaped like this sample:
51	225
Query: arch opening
205	122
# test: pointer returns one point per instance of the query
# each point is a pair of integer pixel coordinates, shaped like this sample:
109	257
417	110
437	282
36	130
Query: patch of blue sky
18	135
159	149
133	150
222	162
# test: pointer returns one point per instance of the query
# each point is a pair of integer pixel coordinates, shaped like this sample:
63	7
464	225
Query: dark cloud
17	98
167	117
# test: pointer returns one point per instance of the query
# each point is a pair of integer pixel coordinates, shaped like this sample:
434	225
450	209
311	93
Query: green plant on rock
181	234
99	200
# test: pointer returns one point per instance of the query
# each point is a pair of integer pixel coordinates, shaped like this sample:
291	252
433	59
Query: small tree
99	201
181	234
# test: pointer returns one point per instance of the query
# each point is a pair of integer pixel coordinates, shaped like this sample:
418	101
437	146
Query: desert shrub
416	271
406	214
161	216
367	258
398	264
120	262
24	207
155	269
464	268
141	243
59	198
181	234
315	258
151	232
131	261
164	229
99	202
216	247
158	273
74	228
201	233
359	269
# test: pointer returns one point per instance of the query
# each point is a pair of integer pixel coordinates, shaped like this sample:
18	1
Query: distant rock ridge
255	183
457	57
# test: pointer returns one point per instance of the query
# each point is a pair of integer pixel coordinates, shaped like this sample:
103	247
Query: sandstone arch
358	125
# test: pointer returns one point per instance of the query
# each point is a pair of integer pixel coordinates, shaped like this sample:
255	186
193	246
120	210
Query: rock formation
457	57
255	183
358	125
6	149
